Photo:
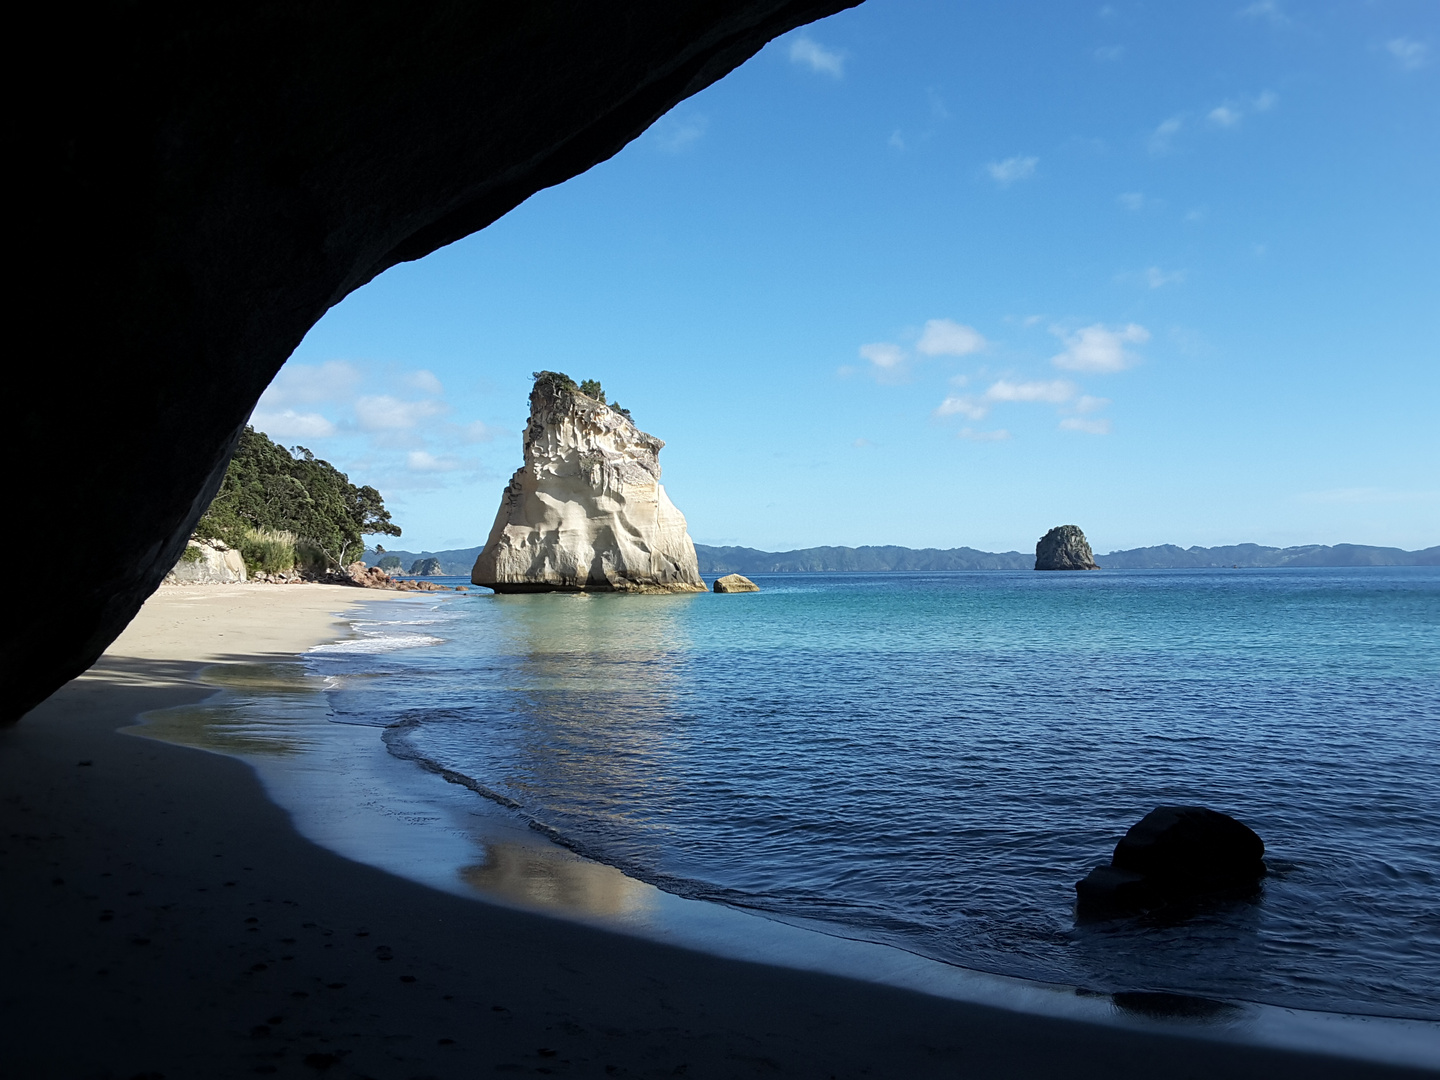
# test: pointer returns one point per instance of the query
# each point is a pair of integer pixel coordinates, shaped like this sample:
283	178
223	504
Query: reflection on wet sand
270	709
554	880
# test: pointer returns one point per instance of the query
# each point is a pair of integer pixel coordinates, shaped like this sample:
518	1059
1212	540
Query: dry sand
162	918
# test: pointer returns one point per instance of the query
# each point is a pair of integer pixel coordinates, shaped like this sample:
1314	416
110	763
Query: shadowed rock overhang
198	185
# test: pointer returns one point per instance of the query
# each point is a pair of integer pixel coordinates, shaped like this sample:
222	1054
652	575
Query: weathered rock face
586	510
213	564
1174	855
735	583
1064	548
425	568
201	184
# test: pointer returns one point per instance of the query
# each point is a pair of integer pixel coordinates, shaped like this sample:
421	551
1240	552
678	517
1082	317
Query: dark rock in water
1174	855
1064	548
425	568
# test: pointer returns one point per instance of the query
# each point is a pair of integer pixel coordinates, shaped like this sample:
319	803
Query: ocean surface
933	760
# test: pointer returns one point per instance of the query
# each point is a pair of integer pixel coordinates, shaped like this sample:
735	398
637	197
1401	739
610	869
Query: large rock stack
1064	548
586	511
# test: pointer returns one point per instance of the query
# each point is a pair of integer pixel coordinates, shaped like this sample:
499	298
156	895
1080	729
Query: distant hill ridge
892	559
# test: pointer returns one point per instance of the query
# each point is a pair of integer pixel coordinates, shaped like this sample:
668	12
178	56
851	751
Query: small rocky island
586	511
1064	548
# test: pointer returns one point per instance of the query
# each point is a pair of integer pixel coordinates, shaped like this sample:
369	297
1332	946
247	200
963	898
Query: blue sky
938	275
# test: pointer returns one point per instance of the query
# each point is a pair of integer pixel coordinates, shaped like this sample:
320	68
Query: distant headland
893	559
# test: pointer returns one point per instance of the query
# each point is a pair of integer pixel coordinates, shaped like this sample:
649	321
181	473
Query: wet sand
162	917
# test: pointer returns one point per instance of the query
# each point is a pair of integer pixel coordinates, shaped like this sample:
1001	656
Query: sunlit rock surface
735	583
586	510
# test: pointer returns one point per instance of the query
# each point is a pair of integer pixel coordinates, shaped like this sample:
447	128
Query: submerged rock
735	583
1064	548
1174	855
586	511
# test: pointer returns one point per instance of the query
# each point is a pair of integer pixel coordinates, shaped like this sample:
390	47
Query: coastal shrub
191	554
591	388
556	379
389	562
268	487
268	550
309	556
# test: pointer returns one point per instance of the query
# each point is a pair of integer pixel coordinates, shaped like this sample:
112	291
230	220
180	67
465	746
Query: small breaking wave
379	643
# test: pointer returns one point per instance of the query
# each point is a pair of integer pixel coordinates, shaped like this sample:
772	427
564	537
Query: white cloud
1156	278
943	337
808	52
1166	131
883	355
1012	169
1225	116
1052	391
1108	53
425	382
999	435
1088	404
1098	348
422	461
963	405
1090	427
311	384
1410	54
289	424
897	140
381	412
1265	101
674	133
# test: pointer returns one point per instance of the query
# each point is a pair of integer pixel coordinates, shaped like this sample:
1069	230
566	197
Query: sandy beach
163	918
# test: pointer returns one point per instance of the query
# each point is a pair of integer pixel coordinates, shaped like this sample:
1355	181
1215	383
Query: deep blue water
933	760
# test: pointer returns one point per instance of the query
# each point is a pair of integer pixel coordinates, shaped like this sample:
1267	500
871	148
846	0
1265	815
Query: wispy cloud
944	337
1109	53
1164	134
977	406
1089	427
1133	200
425	462
1408	53
312	384
1098	348
477	431
884	356
381	412
1268	10
676	133
289	424
807	52
1088	404
1012	169
1157	278
998	435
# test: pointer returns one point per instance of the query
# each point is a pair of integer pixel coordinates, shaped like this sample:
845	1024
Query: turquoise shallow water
934	760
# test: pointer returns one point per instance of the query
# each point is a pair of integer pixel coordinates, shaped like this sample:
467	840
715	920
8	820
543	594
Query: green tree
270	488
591	388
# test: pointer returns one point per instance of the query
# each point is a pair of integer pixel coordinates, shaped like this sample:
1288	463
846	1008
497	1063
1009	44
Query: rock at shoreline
1174	855
586	511
735	583
1064	548
207	562
425	568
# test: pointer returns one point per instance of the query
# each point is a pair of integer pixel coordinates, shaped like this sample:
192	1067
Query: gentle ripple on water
933	760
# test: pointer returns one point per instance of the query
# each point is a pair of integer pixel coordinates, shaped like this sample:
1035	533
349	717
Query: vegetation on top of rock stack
591	388
277	504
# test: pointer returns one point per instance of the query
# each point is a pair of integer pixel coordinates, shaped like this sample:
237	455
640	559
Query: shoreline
163	854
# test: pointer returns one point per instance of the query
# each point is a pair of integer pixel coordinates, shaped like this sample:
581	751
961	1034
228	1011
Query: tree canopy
270	487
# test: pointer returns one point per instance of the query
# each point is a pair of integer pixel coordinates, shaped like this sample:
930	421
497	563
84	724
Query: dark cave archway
200	186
